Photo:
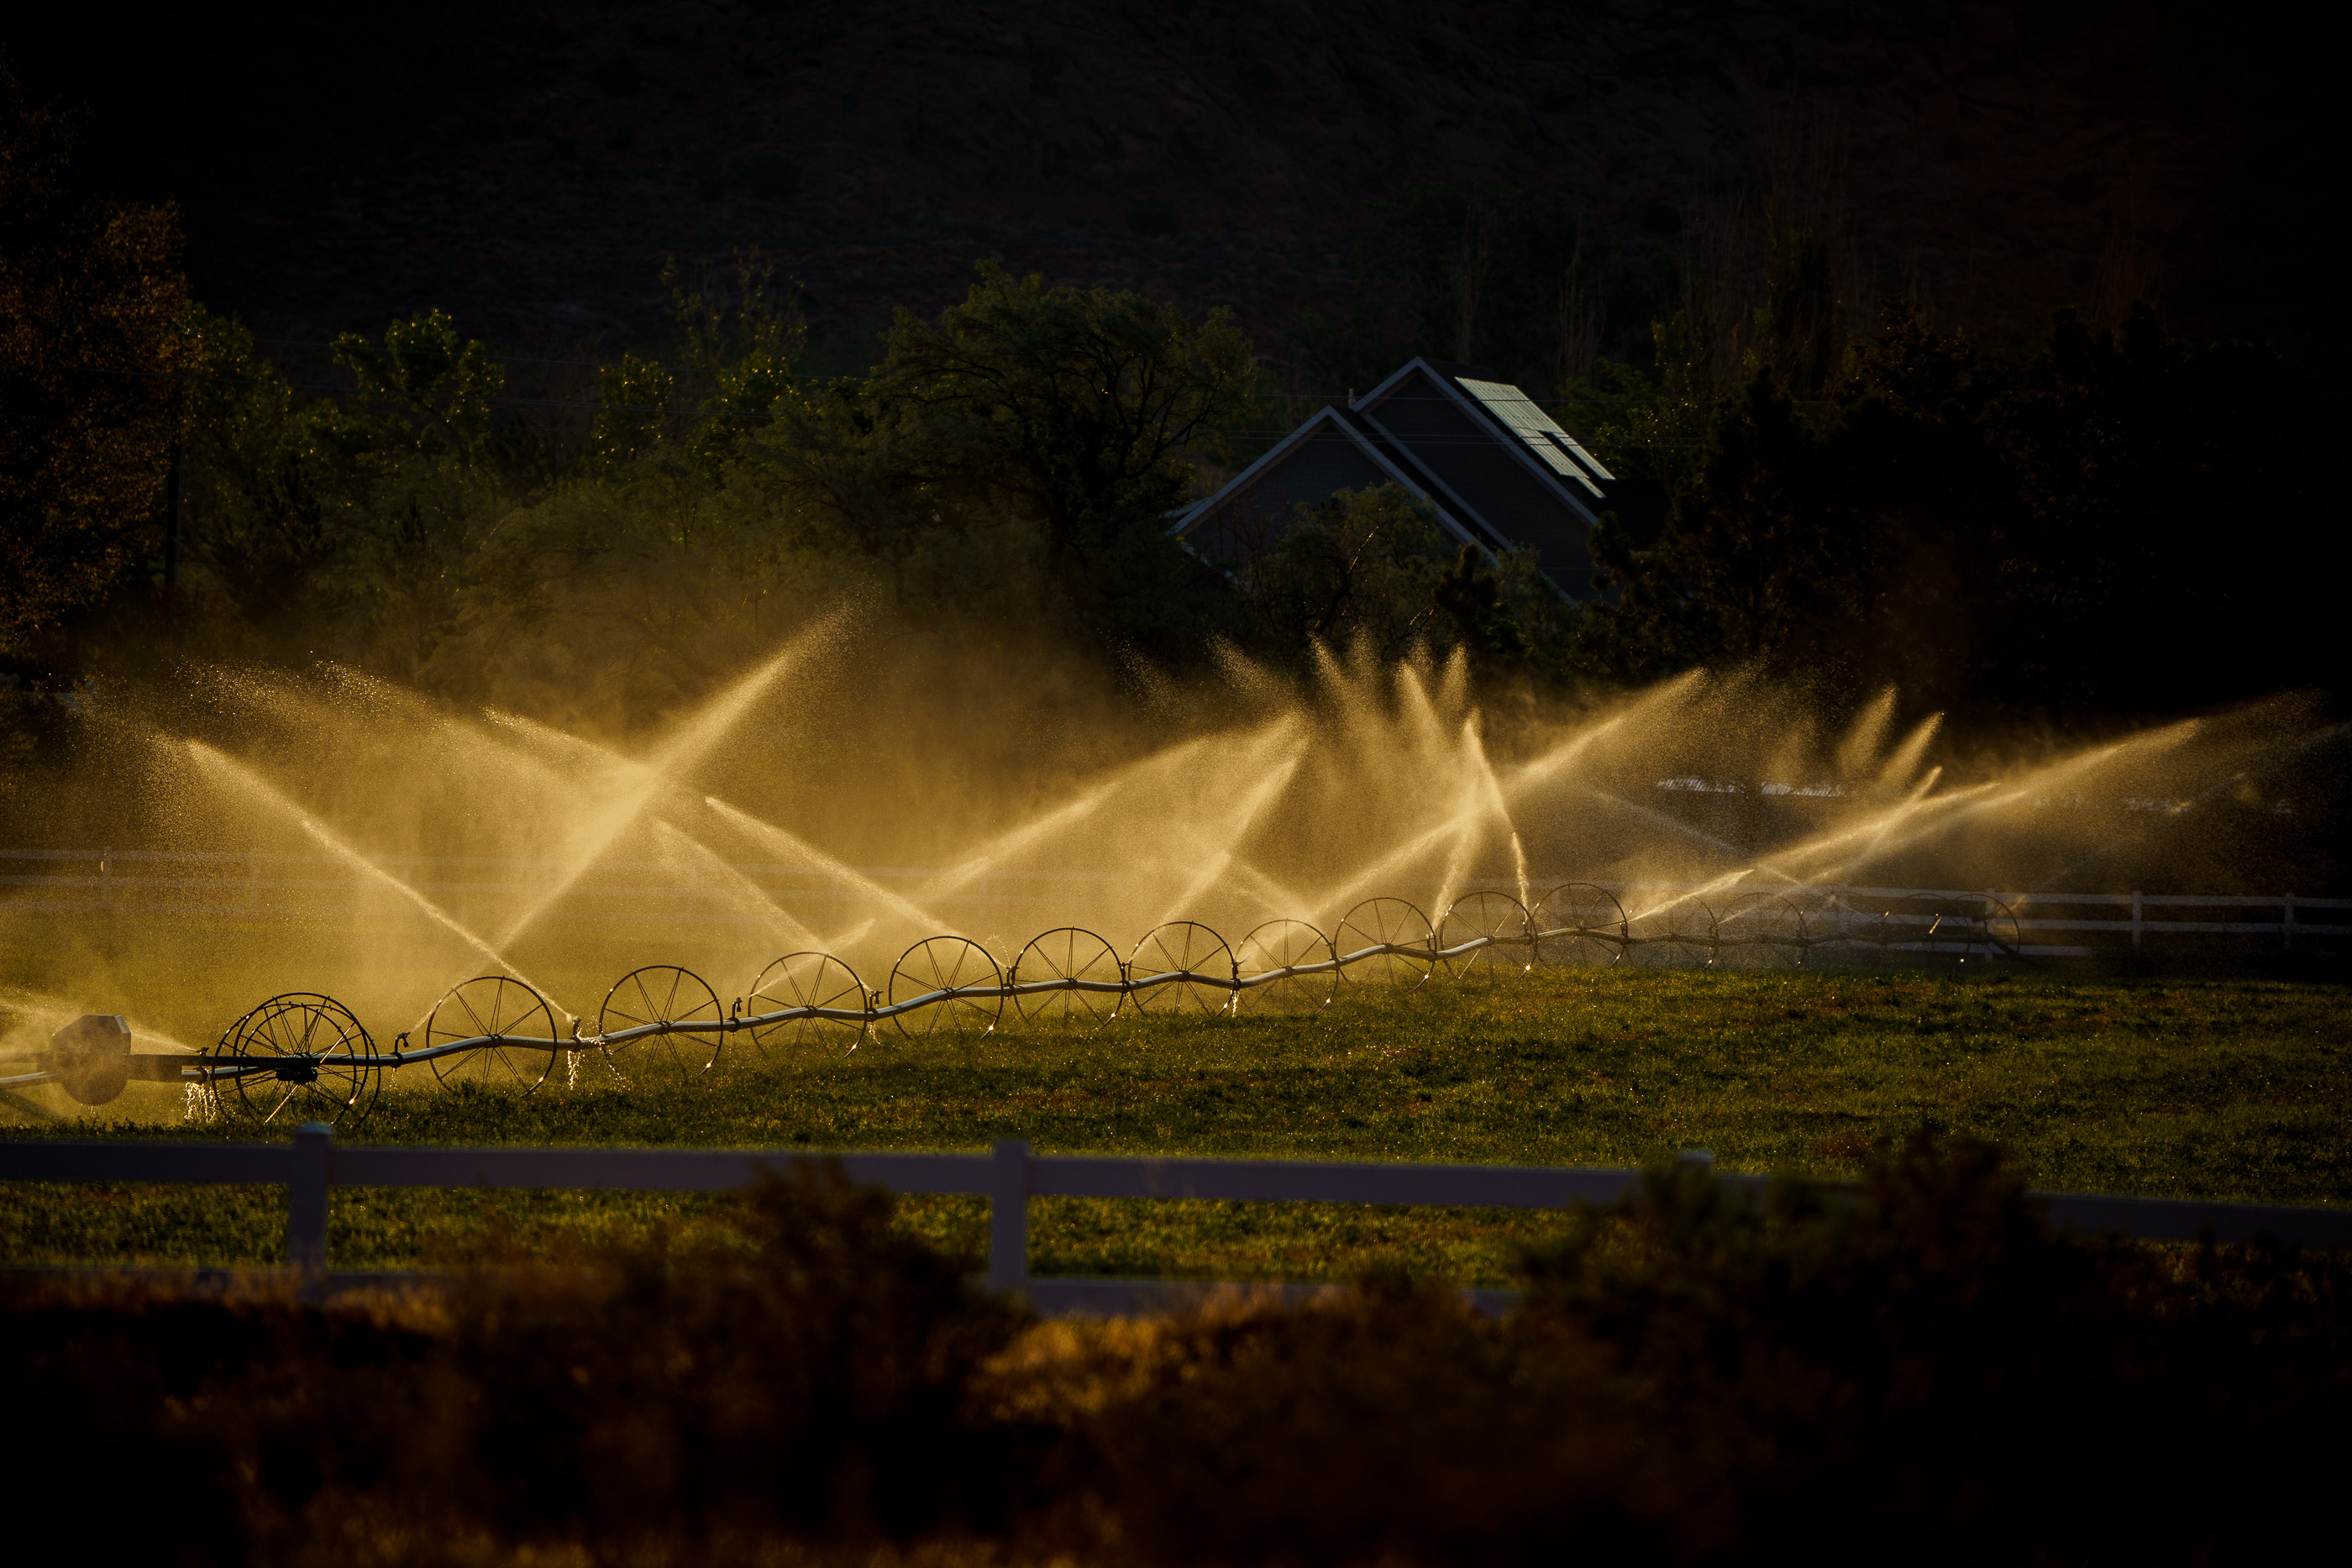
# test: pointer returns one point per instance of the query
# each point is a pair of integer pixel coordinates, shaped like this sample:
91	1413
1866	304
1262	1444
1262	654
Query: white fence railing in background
237	886
313	1164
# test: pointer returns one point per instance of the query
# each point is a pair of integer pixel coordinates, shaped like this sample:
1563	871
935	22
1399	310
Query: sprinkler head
90	1057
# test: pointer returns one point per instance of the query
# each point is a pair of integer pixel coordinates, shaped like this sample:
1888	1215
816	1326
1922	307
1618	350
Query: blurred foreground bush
801	1377
1927	1376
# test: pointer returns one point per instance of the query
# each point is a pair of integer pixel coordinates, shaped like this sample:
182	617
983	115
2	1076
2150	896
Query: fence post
2135	919
2287	922
306	1212
1008	1216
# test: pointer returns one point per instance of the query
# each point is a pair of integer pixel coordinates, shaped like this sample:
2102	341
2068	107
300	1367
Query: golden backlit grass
2225	1087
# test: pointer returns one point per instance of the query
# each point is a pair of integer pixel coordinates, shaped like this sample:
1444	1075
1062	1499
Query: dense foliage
91	348
1372	570
1999	537
1024	448
1926	1373
2007	537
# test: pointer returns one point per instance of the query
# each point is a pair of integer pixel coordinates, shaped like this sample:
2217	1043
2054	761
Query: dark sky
526	165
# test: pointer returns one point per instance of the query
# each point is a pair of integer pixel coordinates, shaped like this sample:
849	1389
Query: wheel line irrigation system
303	1056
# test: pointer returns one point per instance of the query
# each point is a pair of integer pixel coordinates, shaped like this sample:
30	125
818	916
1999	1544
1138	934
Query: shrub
802	1377
1929	1373
1922	1372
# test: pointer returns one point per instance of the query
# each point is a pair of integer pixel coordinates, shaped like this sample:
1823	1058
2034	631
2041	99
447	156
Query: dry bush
804	1380
1928	1374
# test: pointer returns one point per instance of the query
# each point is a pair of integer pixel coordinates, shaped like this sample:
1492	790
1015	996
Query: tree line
2107	523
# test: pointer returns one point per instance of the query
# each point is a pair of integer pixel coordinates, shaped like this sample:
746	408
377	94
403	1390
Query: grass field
2218	1087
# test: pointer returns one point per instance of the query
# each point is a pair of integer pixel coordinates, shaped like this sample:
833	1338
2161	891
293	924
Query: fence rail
240	885
312	1164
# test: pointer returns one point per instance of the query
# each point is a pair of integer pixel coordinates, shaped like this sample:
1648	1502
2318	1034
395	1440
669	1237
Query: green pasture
2225	1087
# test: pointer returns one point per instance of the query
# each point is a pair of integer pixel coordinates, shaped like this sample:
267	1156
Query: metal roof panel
1526	419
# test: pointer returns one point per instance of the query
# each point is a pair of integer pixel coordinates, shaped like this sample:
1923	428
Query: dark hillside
525	164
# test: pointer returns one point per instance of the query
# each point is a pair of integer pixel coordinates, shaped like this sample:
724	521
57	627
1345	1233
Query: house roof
1498	470
1450	386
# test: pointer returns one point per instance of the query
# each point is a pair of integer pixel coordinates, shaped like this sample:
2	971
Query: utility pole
177	504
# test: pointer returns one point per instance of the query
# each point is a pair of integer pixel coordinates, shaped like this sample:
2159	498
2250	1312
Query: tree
279	486
2176	497
1737	577
1372	567
737	346
1364	566
1025	421
1075	407
91	356
1839	544
430	383
632	403
2108	528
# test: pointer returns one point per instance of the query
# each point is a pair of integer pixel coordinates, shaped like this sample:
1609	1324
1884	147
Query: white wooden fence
2046	924
237	887
270	885
1008	1177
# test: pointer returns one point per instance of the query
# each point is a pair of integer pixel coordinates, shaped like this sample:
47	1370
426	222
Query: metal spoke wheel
295	1033
1679	933
1284	944
1500	922
665	996
1763	930
1070	953
2002	936
1579	926
219	1096
807	980
1182	947
502	1009
1385	922
948	964
1980	929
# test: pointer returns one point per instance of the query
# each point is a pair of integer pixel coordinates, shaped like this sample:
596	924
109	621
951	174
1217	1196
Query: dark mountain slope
525	164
